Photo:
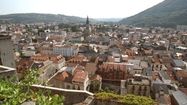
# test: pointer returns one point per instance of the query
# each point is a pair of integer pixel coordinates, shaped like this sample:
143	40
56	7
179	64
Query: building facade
138	86
6	52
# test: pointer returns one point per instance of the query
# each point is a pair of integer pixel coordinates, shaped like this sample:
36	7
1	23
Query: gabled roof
79	76
64	76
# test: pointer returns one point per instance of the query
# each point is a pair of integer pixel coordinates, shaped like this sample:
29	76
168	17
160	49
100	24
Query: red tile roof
79	76
23	65
90	67
64	76
181	74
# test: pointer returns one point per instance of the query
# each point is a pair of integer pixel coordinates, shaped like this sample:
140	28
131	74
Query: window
74	87
68	86
1	63
12	64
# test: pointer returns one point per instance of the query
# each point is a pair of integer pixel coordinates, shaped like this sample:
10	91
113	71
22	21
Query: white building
66	51
46	70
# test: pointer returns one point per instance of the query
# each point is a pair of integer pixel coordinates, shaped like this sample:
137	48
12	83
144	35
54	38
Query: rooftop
180	97
179	63
64	76
140	80
164	75
79	76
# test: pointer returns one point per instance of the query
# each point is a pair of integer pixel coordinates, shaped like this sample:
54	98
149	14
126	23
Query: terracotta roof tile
181	74
23	65
64	76
90	67
79	76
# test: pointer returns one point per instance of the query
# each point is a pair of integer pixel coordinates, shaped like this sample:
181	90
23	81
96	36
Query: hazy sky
82	8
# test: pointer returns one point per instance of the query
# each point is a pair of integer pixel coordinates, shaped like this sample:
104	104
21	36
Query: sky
81	8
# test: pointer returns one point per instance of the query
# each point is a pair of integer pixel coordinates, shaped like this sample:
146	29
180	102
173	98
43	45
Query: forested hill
39	18
168	13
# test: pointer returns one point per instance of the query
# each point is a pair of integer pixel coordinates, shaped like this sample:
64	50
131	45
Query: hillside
35	18
168	13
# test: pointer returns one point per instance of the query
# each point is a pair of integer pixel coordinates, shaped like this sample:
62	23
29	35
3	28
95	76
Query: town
79	60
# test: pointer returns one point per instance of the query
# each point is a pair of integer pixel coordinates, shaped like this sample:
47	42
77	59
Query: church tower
87	21
87	31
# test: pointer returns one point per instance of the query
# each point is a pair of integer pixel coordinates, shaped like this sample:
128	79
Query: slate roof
180	97
178	63
157	87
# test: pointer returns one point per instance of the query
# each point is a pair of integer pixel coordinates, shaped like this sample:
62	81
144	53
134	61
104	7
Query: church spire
87	31
87	21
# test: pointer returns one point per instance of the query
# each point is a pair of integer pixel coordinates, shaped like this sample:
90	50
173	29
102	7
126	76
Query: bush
126	100
18	93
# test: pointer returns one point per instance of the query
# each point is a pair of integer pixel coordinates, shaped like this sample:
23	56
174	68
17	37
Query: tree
18	93
74	28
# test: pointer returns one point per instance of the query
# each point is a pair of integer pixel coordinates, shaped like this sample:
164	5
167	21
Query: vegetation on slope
126	100
39	18
169	13
18	93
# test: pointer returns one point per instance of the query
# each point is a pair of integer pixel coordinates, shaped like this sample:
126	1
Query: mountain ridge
39	18
168	13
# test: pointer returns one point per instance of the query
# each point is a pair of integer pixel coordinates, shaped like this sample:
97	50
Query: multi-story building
46	70
70	78
138	85
79	59
112	71
183	38
58	60
6	51
66	51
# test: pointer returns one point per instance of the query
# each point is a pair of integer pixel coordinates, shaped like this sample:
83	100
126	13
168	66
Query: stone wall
71	96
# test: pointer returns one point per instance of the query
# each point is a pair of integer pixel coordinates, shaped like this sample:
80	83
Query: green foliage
108	96
30	77
17	93
126	100
137	100
94	86
75	28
